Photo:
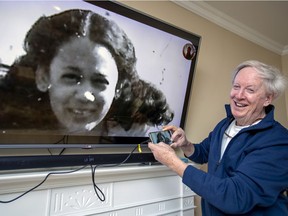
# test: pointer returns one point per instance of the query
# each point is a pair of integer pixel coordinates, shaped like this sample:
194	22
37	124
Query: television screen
95	72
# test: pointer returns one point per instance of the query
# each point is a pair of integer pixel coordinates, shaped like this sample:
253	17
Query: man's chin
237	114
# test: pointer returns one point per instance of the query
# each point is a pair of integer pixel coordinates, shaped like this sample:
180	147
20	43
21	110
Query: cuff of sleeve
193	178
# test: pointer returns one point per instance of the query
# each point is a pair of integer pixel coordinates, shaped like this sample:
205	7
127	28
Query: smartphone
161	136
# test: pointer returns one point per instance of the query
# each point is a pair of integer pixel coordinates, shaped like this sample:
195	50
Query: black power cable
38	185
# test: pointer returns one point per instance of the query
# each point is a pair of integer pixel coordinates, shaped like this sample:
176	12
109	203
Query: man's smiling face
248	97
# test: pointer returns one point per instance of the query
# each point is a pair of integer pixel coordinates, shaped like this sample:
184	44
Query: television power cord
63	140
100	194
38	185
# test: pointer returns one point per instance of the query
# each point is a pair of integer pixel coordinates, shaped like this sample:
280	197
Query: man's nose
240	93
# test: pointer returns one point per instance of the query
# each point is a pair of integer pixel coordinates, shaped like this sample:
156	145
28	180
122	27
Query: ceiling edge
206	11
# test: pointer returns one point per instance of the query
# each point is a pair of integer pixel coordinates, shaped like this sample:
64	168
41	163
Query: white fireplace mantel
138	190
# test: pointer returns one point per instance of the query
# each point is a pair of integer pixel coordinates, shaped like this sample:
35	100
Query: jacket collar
267	121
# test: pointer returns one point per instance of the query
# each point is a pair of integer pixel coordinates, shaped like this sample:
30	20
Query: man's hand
166	155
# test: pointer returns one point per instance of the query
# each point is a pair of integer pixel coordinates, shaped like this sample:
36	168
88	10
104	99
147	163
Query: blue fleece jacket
252	174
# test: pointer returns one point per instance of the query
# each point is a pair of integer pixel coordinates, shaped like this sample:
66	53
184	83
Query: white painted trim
206	11
22	181
285	51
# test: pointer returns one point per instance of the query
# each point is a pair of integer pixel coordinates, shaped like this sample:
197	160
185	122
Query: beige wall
285	71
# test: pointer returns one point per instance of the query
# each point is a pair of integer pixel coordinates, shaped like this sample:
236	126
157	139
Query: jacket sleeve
257	181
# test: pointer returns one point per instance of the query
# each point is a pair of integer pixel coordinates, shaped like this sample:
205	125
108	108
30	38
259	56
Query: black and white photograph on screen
74	68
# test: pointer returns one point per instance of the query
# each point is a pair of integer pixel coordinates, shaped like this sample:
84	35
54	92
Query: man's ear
42	79
268	100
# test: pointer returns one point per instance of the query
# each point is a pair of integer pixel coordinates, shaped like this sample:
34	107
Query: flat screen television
85	82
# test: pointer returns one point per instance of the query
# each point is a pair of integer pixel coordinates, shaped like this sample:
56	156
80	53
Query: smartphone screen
160	136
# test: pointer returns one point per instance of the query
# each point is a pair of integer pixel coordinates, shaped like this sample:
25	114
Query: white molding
22	181
285	51
206	11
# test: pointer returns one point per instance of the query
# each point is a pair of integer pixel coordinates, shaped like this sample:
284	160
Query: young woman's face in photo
83	78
